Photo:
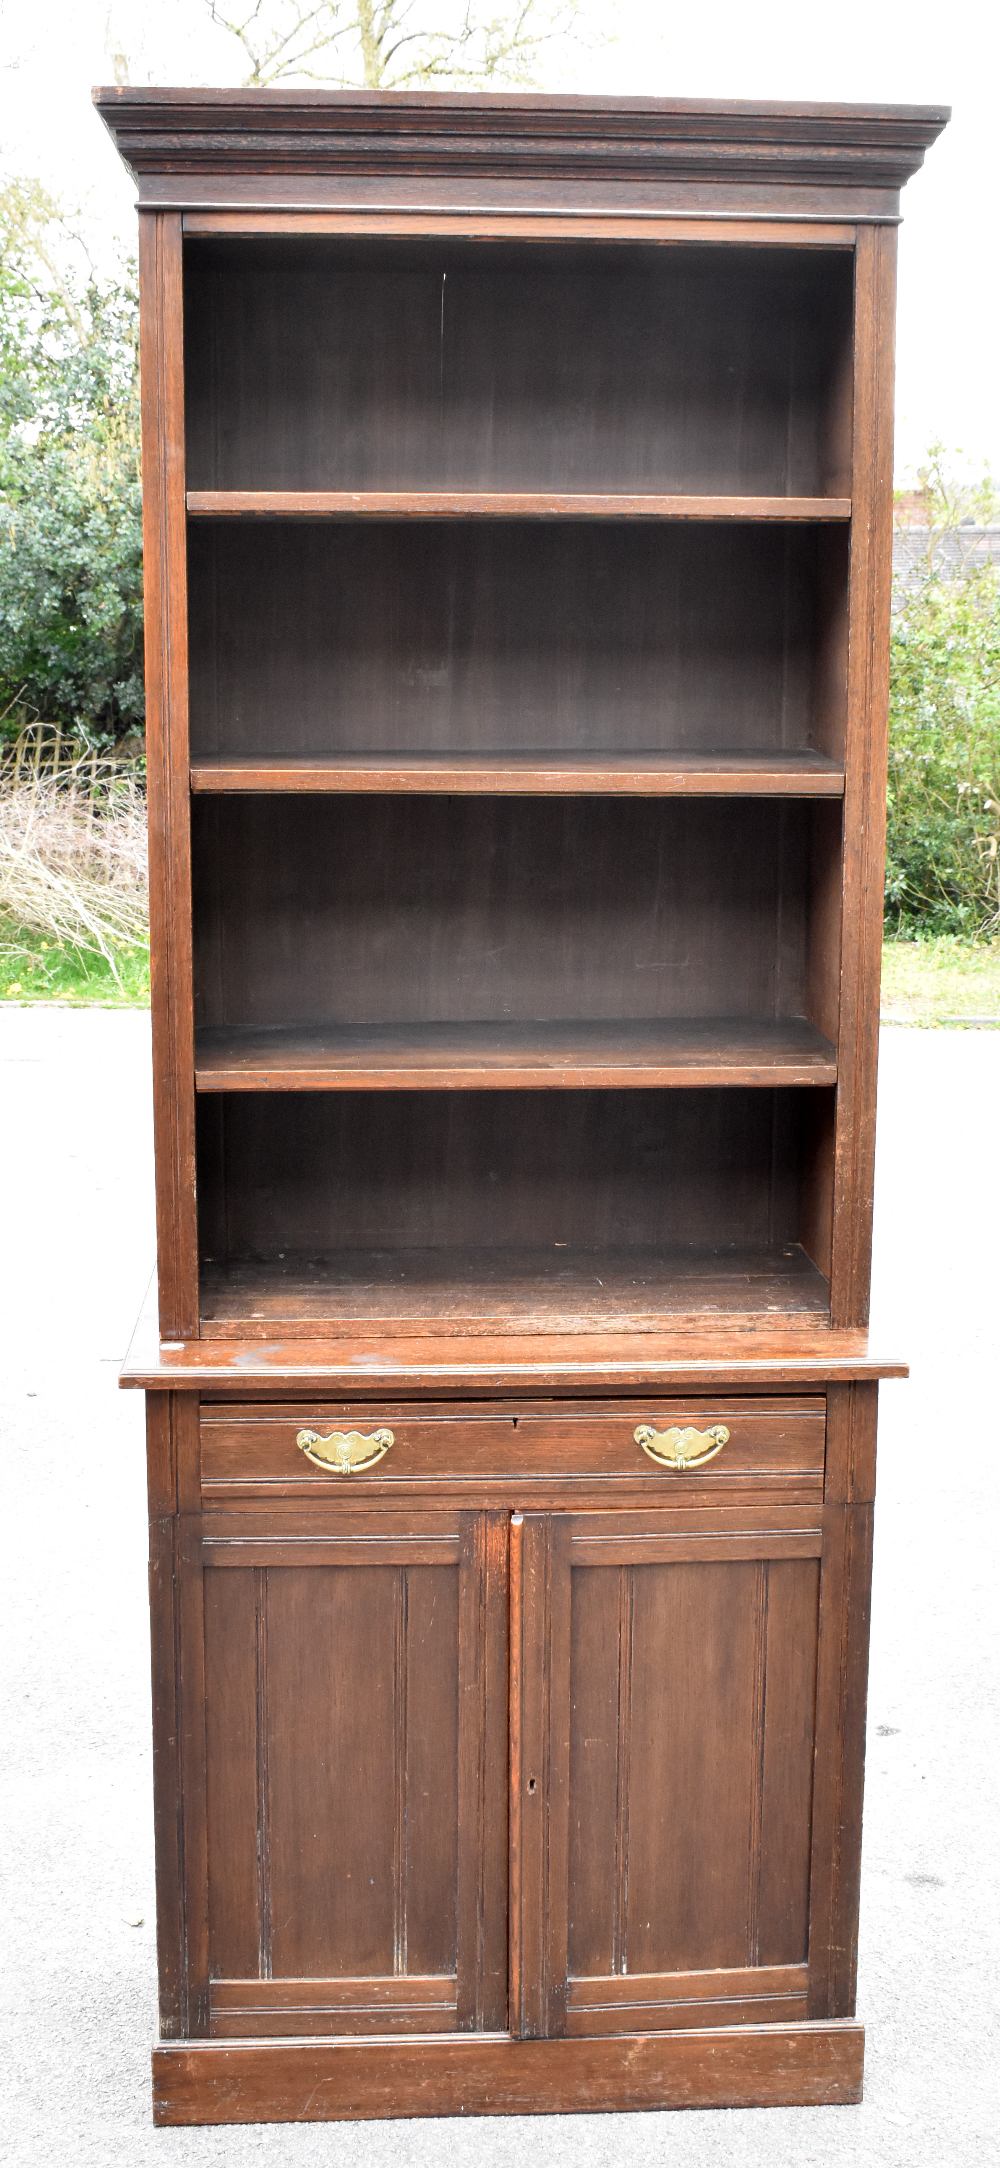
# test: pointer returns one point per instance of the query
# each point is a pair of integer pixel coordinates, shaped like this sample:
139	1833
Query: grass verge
935	982
941	981
33	969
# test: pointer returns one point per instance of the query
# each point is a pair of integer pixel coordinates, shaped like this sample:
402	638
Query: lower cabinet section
575	1784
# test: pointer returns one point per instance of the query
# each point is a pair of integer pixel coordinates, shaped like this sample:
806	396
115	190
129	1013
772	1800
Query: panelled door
664	1670
356	1719
655	1751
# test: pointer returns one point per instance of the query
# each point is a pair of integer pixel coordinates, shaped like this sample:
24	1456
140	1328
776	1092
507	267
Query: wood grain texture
851	1444
166	667
497	637
587	1207
440	150
708	1827
273	2009
357	1748
175	1585
238	1801
775	1443
708	774
363	1825
516	1863
171	1938
193	1772
538	1797
483	1835
742	1355
348	504
803	2065
530	1290
786	1741
864	802
481	1057
761	1995
503	914
587	201
646	226
423	366
842	1684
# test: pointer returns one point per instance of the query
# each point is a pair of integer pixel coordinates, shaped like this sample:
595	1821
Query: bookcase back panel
300	1175
323	638
354	911
366	364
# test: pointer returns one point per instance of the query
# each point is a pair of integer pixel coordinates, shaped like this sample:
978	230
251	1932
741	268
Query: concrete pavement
76	1908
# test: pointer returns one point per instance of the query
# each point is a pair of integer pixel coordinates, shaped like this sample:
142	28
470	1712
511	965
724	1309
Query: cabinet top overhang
317	149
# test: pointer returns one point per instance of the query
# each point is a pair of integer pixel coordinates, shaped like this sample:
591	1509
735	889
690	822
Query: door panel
358	1661
679	1690
356	1771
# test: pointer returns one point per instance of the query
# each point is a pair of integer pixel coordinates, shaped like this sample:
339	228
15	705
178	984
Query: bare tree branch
279	36
394	44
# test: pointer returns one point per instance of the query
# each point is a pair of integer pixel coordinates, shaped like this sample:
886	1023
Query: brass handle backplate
682	1448
344	1452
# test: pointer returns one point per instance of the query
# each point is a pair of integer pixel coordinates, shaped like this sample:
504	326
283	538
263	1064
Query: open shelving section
517	597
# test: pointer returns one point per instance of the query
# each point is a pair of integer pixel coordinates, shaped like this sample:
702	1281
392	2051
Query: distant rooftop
917	549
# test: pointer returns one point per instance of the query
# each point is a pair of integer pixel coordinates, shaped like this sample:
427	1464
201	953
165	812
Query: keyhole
531	1784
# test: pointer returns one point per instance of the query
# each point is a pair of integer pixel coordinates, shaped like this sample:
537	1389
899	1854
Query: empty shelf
799	774
500	504
498	1056
531	1289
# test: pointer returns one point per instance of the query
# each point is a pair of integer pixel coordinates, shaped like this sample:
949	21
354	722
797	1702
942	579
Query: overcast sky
51	51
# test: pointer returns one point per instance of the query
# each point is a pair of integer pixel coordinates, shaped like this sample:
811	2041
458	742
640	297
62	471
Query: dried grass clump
73	847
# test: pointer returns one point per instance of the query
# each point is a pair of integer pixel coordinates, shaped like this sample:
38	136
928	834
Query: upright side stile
165	550
841	1699
864	798
177	1647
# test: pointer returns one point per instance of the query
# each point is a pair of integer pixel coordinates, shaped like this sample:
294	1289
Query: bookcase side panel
867	747
166	663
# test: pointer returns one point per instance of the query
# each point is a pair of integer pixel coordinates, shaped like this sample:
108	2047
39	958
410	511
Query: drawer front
685	1448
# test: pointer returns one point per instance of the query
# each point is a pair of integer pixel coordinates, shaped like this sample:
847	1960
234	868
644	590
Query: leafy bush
70	504
943	860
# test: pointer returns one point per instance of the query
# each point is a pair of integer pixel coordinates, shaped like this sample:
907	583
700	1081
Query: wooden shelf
529	1290
500	504
803	1349
797	774
499	1056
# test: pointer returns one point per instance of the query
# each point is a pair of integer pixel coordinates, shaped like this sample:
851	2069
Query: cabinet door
663	1725
356	1756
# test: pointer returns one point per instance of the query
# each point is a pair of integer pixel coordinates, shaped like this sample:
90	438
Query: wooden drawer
774	1443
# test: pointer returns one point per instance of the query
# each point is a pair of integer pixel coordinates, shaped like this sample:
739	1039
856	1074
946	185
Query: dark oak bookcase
517	484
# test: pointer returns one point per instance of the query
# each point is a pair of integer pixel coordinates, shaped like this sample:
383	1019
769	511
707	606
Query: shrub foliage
943	858
71	578
70	508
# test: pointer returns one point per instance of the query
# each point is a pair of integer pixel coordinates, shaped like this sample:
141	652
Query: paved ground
77	1910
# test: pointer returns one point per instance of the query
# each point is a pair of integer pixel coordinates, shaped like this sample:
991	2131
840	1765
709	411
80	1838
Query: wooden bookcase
518	501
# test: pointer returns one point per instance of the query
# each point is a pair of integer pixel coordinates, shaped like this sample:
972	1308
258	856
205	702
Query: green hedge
70	504
943	860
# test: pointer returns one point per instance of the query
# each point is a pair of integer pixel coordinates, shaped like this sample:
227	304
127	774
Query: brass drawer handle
682	1448
344	1452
